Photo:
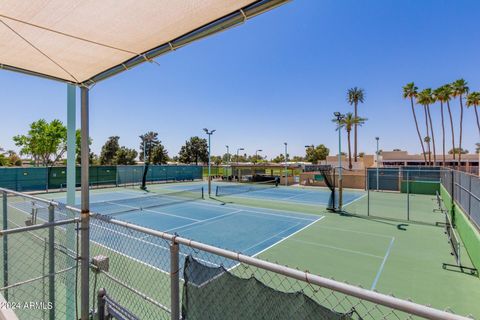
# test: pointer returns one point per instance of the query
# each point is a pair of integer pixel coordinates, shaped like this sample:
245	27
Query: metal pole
85	206
174	281
209	166
5	244
51	261
377	162
71	187
408	195
101	304
340	169
286	165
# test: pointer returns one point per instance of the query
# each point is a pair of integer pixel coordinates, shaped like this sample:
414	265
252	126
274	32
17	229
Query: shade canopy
85	41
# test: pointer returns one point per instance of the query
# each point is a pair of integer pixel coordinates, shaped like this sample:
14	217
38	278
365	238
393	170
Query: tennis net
225	190
146	202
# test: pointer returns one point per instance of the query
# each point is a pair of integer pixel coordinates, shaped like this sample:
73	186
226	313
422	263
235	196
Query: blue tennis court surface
300	195
239	228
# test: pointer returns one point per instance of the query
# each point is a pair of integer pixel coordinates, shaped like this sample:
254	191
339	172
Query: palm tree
439	95
473	100
425	99
410	91
448	91
460	88
348	122
354	96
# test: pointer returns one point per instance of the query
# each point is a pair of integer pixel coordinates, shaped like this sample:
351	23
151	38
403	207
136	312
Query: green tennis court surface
389	254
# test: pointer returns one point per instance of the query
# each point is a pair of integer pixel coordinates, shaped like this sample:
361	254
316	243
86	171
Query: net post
174	281
51	261
5	242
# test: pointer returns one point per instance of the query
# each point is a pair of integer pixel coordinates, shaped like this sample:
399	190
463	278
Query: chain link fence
140	273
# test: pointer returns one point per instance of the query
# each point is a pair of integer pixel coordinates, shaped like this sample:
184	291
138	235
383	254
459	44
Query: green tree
45	142
425	98
3	158
410	91
255	158
194	150
240	158
442	95
13	159
473	100
159	155
458	151
459	89
280	158
151	140
216	160
348	122
316	154
354	96
298	159
125	156
93	158
109	150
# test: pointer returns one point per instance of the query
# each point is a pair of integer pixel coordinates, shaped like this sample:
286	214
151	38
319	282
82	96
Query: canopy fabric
76	40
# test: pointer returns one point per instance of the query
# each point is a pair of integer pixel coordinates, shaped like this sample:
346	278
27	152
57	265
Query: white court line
148	210
285	238
208	222
355	200
359	232
201	221
374	284
338	248
293	215
275	235
299	195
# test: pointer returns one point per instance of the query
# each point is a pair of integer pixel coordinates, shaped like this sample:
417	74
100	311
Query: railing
143	270
465	191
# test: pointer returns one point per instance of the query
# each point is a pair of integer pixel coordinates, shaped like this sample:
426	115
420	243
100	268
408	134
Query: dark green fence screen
37	179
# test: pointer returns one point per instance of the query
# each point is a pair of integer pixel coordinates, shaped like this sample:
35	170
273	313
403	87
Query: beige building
402	158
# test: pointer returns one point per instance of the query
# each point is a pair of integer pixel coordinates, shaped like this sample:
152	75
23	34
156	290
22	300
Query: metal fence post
470	196
368	194
85	204
51	261
408	195
5	243
174	281
101	304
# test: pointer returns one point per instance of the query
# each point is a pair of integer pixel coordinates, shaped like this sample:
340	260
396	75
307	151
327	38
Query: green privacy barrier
37	179
23	179
134	174
468	233
420	187
99	175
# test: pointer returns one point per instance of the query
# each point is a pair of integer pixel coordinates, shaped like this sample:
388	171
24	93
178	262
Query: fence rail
143	270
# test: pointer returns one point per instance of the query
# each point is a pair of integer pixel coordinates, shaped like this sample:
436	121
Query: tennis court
239	228
296	195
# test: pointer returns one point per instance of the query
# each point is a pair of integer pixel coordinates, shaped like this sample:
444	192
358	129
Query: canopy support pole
85	205
71	184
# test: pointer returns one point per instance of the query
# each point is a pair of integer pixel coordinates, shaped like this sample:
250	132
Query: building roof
83	42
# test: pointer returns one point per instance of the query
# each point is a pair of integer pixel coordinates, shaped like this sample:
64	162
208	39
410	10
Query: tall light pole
339	117
209	133
228	154
256	154
377	138
238	170
286	165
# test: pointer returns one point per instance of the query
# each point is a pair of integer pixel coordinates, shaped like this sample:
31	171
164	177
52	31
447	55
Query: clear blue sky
277	78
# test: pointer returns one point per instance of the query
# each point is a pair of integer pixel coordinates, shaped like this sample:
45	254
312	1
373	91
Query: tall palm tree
440	96
348	122
459	89
410	91
448	91
473	100
354	96
425	99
